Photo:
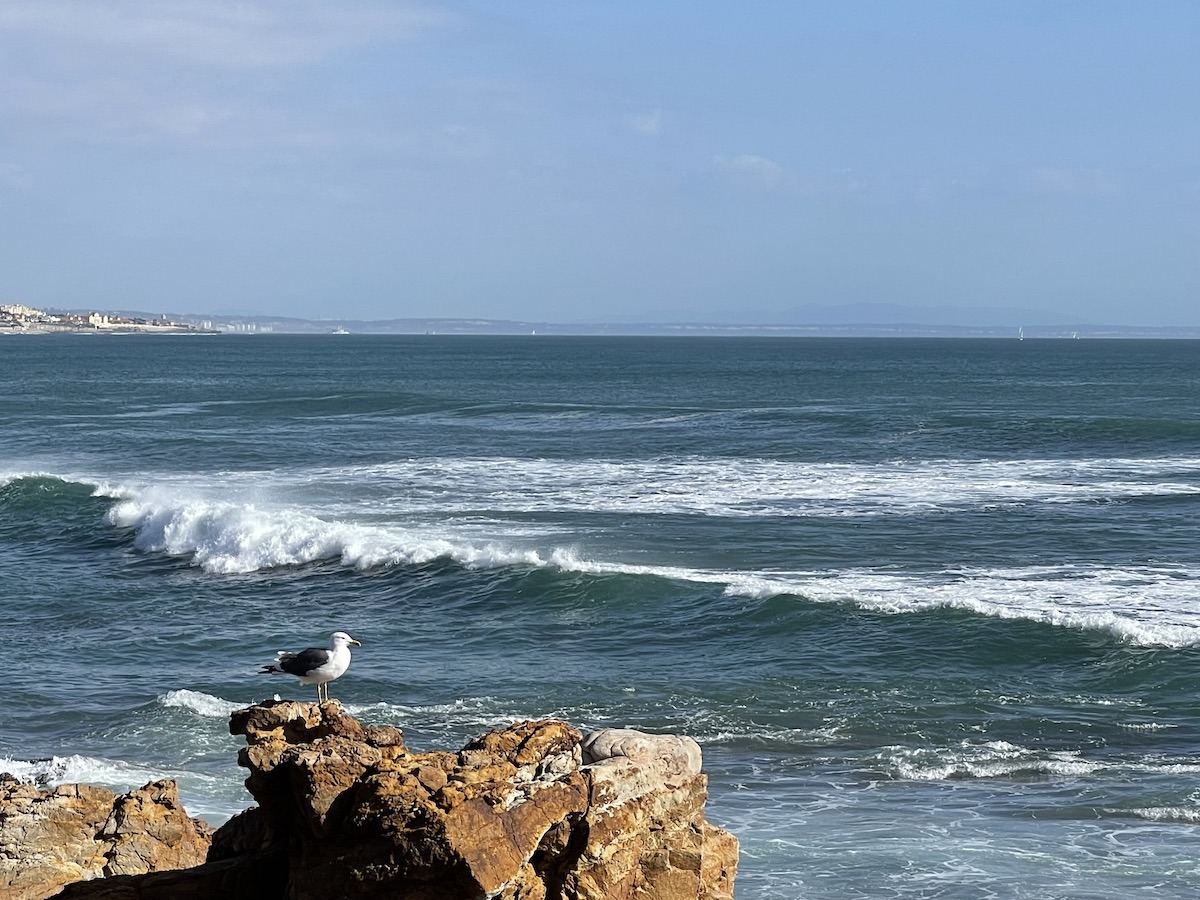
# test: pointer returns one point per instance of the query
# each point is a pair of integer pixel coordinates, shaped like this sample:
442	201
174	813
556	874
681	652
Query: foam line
205	705
1151	606
56	770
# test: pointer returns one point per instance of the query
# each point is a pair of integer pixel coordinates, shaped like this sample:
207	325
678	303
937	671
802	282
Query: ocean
930	607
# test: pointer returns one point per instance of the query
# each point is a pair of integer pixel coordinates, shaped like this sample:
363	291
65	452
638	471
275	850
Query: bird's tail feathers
271	670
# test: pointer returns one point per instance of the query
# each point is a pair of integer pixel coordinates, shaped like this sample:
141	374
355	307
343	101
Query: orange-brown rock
363	817
529	812
78	832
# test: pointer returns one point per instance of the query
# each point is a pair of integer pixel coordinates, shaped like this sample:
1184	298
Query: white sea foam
765	487
994	759
726	487
477	713
205	705
1150	606
758	734
369	517
1147	726
230	538
1159	766
1002	759
9	476
56	770
212	797
1189	814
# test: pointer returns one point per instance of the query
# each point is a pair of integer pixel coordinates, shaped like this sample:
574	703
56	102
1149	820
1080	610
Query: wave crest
56	770
228	539
994	759
193	520
202	704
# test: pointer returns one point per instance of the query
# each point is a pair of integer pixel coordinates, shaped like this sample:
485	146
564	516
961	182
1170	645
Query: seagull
316	665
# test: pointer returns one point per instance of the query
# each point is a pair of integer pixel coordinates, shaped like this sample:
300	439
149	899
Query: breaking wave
1004	760
383	516
1152	606
233	538
110	773
205	705
993	759
1184	814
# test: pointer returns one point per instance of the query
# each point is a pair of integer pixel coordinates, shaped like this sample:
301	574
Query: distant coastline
119	329
16	319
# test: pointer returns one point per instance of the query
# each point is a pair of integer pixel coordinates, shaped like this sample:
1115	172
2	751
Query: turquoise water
930	607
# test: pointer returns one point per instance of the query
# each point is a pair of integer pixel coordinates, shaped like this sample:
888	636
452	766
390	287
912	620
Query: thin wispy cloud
750	172
136	70
122	108
219	33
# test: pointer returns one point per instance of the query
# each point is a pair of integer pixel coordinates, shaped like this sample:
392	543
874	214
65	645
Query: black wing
303	662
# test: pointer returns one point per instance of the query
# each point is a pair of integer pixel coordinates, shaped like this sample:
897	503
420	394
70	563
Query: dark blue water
931	607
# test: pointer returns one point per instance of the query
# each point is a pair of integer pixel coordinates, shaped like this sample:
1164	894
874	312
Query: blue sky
586	162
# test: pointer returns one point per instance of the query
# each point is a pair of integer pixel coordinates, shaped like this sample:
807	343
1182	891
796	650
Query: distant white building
18	311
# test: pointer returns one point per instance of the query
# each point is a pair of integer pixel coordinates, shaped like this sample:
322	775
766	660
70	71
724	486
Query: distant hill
877	314
896	314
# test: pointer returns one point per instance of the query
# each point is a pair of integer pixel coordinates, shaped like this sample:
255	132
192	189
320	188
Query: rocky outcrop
534	811
79	832
527	812
647	836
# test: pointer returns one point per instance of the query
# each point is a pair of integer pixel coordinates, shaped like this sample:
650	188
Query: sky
612	161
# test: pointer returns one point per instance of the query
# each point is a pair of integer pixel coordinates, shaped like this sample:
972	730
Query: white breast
339	662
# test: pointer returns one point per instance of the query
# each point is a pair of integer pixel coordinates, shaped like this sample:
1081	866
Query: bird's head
341	639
